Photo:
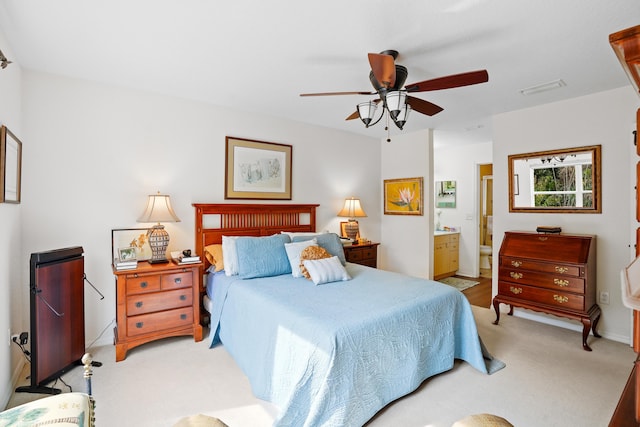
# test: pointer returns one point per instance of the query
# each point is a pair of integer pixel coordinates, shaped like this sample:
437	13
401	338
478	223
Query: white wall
608	119
12	316
407	240
460	164
94	152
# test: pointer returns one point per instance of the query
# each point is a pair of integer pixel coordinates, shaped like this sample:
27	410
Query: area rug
458	283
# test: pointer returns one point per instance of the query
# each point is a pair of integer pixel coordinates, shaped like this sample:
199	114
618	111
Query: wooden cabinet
550	273
156	301
445	255
364	253
626	45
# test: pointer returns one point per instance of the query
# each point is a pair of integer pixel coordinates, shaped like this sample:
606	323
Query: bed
335	353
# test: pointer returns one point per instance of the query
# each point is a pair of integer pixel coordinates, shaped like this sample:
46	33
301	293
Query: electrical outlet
604	297
14	338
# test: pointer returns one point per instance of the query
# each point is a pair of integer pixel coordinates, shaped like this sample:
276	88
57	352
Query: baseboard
567	324
15	380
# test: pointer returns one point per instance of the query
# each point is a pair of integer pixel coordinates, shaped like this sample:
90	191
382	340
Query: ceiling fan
388	78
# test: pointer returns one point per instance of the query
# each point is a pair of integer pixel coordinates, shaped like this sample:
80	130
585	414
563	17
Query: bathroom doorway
486	219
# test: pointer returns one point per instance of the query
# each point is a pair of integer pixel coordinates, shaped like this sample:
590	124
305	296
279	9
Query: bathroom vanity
446	253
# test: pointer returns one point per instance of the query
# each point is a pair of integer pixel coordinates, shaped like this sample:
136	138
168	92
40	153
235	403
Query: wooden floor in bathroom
480	294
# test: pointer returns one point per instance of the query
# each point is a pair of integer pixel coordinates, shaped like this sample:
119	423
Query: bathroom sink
630	279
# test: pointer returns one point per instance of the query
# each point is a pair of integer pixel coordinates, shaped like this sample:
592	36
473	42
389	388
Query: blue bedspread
335	354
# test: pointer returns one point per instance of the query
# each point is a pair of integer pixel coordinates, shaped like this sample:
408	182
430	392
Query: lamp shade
159	210
352	209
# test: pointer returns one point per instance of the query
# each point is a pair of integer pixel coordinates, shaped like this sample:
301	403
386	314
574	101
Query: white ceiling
260	55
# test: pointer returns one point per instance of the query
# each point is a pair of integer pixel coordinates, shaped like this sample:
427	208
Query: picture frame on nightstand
136	238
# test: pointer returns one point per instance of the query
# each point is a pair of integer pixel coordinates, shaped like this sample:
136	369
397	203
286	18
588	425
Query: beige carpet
548	381
458	283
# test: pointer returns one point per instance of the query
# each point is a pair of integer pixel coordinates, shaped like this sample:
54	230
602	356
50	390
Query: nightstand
364	253
155	301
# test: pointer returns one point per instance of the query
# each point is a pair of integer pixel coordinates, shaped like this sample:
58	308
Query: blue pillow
262	256
329	241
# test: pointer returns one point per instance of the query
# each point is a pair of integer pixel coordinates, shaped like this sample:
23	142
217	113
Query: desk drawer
565	300
555	282
526	264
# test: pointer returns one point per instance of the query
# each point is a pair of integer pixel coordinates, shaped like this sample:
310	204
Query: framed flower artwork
403	196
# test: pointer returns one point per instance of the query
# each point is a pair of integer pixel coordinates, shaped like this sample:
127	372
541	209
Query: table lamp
158	210
352	210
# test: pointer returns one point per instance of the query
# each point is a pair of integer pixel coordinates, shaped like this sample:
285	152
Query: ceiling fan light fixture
402	116
396	100
366	112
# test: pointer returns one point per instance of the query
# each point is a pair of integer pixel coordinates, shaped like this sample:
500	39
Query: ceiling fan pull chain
386	127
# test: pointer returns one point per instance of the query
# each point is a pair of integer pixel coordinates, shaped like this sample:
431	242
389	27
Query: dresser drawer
154	322
555	282
527	264
567	301
158	301
361	253
142	284
176	280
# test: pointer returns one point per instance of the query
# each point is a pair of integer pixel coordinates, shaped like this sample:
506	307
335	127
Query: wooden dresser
363	253
550	273
445	254
156	301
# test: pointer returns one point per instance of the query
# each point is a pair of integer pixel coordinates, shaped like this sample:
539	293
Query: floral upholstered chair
65	409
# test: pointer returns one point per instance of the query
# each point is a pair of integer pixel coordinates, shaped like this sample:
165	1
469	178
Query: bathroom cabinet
446	254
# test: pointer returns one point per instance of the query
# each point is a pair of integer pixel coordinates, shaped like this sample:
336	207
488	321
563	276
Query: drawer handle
139	304
183	317
515	275
516	263
561	299
143	284
177	280
561	282
561	270
183	297
139	325
515	290
543	239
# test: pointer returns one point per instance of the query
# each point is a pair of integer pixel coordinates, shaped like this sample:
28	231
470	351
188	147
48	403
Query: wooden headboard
215	220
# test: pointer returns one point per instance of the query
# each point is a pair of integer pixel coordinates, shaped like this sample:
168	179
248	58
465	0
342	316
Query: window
562	185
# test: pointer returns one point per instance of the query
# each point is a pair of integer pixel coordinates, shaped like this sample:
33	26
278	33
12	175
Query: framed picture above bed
257	170
403	196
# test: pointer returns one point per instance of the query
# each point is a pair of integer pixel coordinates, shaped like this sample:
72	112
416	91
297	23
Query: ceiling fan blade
384	68
353	115
337	93
448	82
422	106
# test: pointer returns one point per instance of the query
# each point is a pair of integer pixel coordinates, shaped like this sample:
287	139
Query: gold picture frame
404	196
257	170
10	167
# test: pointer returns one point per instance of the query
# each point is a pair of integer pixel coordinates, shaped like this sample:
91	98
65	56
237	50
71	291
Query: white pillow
293	253
230	255
326	270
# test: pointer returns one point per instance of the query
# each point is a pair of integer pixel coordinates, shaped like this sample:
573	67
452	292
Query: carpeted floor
458	283
549	380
